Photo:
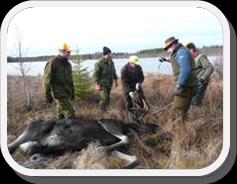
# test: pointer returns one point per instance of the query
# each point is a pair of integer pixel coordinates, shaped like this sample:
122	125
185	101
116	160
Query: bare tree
21	51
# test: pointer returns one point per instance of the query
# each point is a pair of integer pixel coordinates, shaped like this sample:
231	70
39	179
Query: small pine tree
81	79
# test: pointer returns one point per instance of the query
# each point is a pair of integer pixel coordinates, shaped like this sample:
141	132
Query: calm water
149	65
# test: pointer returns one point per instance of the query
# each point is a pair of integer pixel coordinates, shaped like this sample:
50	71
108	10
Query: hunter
132	77
183	66
203	70
104	75
58	83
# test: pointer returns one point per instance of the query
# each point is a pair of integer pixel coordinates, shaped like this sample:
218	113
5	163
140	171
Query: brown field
195	144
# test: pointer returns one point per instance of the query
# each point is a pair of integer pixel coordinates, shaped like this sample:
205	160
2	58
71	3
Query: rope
163	108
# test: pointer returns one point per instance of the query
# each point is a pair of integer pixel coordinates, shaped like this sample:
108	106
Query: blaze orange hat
66	47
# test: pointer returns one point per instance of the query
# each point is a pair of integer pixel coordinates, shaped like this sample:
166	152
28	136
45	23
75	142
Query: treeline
72	57
215	50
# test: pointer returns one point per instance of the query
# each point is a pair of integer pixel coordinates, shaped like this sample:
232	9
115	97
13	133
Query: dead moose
74	134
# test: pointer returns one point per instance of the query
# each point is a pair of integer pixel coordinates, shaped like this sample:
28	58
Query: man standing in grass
58	83
183	66
203	69
104	75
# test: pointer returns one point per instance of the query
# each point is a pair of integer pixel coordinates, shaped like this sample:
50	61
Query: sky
42	30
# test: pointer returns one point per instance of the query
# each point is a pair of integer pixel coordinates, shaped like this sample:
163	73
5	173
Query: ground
195	144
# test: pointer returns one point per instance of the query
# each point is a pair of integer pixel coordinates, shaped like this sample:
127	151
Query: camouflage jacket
104	72
57	79
130	76
203	67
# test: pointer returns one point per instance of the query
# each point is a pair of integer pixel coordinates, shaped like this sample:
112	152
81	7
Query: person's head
107	54
65	50
170	44
191	46
133	61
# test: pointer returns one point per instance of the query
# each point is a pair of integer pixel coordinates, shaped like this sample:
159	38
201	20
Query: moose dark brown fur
74	134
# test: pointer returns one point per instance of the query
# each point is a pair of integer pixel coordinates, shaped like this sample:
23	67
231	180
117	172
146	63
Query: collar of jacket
178	45
195	53
62	57
106	61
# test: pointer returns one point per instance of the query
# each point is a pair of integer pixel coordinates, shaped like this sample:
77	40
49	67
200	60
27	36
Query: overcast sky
124	29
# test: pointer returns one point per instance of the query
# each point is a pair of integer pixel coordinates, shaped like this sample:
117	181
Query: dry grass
194	144
91	158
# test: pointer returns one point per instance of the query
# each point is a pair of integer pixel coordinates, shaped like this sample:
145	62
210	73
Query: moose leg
24	137
124	141
116	133
26	147
132	160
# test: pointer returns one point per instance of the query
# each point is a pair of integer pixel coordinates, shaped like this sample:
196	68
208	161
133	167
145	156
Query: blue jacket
183	66
183	59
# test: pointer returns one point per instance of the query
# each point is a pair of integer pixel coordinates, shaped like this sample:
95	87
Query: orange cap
66	47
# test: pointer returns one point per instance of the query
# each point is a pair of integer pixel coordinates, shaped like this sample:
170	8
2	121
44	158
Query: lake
149	65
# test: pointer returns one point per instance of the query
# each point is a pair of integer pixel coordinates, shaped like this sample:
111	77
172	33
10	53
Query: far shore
149	53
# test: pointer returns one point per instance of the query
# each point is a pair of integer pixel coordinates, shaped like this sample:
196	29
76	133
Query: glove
131	94
178	90
116	82
49	99
138	86
98	87
163	60
202	82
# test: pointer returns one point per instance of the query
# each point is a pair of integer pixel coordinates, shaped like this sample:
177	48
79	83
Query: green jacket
104	73
182	76
57	79
203	67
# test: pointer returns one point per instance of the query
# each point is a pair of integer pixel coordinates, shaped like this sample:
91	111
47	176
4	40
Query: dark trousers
131	104
197	99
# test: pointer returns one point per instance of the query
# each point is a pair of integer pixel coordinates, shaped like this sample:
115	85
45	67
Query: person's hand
98	87
138	86
49	99
116	82
131	94
202	82
178	90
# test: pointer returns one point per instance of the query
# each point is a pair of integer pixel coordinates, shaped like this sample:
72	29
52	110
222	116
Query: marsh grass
194	144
